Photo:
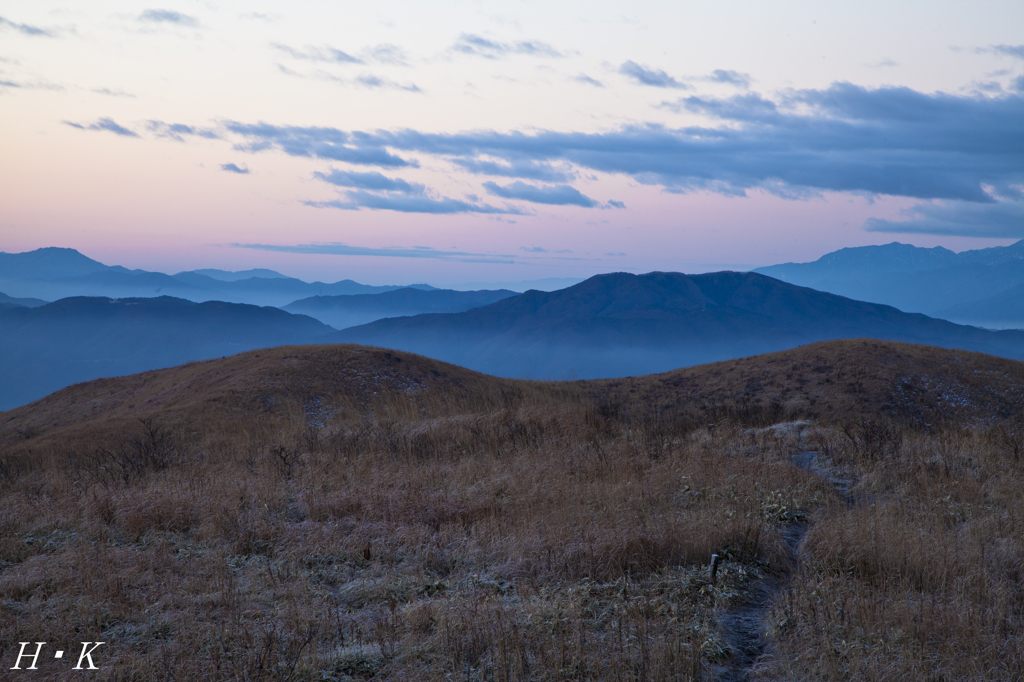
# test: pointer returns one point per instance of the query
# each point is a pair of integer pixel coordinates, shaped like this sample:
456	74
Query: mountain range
983	287
55	273
357	309
610	325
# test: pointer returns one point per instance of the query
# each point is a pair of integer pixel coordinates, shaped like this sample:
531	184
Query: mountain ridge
621	324
936	281
356	309
53	273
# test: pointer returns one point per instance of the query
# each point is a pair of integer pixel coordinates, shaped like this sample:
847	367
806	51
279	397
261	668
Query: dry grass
263	526
923	576
836	381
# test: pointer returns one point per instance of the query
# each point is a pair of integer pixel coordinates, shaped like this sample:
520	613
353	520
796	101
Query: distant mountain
77	339
980	287
1000	311
9	301
622	324
348	311
54	273
47	263
229	276
546	284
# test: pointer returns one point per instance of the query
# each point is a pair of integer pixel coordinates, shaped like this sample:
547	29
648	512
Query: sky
393	142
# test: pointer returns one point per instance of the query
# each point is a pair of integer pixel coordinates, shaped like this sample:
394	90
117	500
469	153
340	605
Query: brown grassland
339	512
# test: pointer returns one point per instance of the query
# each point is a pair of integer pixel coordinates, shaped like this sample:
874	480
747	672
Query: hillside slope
243	386
832	381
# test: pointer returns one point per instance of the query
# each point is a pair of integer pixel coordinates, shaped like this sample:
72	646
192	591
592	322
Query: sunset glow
489	142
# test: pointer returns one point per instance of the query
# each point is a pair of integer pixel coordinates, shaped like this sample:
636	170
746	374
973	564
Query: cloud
365	80
515	168
319	54
844	138
1015	51
321	143
370	181
232	168
883	64
557	195
260	16
749	108
885	141
104	124
178	131
538	249
26	29
957	218
986	86
616	204
112	93
584	78
37	85
406	203
478	46
653	77
373	82
386	53
376	191
168	16
338	249
740	80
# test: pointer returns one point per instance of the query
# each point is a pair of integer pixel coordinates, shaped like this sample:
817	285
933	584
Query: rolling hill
831	381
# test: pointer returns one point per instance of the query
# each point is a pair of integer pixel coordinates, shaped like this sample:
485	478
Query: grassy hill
342	512
830	381
219	394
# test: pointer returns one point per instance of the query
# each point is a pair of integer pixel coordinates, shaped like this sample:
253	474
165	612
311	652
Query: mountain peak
47	263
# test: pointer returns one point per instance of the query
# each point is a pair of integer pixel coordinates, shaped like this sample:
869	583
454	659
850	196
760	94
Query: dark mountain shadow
622	324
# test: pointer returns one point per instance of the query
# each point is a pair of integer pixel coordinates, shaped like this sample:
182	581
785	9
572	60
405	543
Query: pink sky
88	160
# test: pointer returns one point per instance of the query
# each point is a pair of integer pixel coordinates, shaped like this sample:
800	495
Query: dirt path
744	626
